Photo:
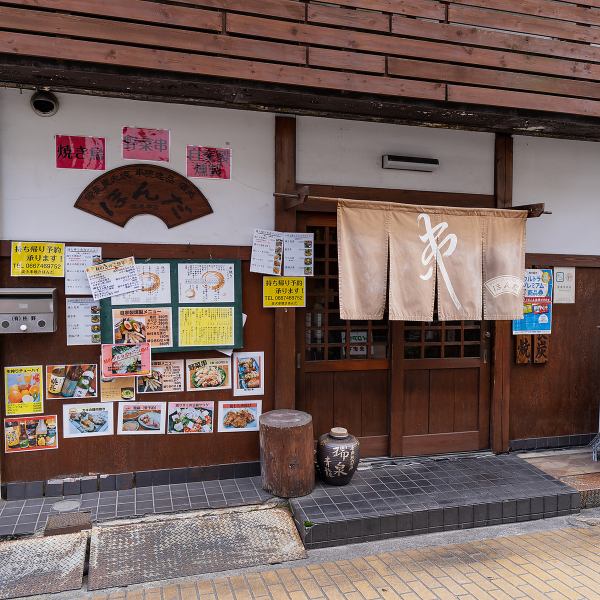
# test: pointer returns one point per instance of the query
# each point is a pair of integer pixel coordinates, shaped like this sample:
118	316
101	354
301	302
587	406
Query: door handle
298	359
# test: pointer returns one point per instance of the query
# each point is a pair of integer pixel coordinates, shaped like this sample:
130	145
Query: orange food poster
24	390
25	434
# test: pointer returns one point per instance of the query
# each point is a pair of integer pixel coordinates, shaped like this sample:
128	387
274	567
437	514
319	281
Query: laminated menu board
182	305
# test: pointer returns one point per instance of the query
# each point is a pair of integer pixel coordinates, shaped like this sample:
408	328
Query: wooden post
285	220
502	350
287	453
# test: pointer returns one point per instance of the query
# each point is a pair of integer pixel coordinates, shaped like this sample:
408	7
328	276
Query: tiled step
430	495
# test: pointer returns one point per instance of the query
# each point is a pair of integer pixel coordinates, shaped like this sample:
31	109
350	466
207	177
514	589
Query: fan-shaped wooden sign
142	189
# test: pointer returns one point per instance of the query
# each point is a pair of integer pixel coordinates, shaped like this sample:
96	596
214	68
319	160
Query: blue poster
537	303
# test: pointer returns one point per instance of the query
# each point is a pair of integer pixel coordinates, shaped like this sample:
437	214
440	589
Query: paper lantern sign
142	189
208	163
141	143
80	152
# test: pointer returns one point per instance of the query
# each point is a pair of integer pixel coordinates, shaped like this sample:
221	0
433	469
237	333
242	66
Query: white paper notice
113	278
77	259
564	285
83	321
298	254
206	283
156	285
267	252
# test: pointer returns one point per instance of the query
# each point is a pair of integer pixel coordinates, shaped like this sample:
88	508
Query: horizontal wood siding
532	54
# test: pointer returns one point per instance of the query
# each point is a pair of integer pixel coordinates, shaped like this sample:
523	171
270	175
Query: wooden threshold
372	446
440	443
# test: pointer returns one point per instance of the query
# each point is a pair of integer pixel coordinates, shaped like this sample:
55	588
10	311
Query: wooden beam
501	351
284	367
149	85
591	261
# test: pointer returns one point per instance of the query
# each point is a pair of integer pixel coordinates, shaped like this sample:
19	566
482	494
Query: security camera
44	104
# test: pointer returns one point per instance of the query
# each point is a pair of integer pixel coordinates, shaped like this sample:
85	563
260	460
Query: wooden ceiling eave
150	85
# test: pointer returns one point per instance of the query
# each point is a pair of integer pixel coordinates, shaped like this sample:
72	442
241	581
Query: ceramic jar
337	456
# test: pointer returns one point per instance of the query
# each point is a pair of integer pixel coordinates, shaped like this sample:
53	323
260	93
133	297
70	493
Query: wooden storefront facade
404	388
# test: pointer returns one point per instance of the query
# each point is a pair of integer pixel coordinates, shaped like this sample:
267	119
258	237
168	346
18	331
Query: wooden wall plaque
523	349
142	189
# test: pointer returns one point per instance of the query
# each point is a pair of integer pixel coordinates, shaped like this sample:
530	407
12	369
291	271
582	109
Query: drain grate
184	545
42	565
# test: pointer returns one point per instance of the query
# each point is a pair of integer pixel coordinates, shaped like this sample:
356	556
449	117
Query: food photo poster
190	417
239	415
141	418
87	420
248	373
207	374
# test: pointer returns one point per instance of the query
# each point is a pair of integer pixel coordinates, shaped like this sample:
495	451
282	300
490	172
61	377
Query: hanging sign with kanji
143	189
80	152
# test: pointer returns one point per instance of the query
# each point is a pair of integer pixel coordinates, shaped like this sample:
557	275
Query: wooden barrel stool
287	453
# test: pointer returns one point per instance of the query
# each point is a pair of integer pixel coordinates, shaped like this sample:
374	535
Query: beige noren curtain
475	256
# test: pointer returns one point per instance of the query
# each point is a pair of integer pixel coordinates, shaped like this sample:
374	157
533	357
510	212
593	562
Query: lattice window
327	337
447	339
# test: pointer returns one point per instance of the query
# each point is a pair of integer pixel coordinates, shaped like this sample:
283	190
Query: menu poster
137	325
77	259
239	415
141	418
208	374
125	360
165	376
87	420
26	434
206	326
155	285
24	390
113	278
248	373
206	283
83	322
298	254
37	259
71	381
117	389
537	303
267	252
190	417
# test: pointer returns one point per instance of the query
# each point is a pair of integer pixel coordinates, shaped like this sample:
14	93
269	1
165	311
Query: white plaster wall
349	153
565	175
36	199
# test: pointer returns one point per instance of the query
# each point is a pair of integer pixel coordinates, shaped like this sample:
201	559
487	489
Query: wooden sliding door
401	388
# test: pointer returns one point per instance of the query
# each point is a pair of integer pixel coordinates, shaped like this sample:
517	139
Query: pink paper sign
141	143
209	163
80	152
125	360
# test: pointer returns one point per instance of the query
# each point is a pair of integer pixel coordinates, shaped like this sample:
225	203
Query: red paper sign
141	143
209	163
80	152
